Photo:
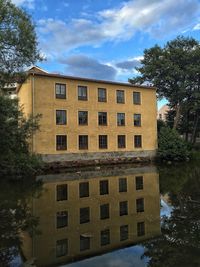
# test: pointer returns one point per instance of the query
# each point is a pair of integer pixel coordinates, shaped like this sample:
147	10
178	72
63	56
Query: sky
105	39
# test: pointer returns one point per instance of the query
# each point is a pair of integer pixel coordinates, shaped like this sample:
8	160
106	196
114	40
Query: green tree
18	42
175	71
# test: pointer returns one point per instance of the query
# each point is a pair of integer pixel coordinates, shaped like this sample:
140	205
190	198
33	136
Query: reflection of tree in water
15	215
179	244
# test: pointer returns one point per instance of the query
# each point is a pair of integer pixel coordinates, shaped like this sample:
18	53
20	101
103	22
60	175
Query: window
83	142
61	247
136	98
83	118
140	205
121	139
102	118
84	215
61	118
61	192
139	182
140	228
122	185
102	95
84	189
61	219
105	237
123	208
120	119
104	187
84	243
123	232
82	92
60	90
137	119
103	141
104	211
120	96
61	142
138	141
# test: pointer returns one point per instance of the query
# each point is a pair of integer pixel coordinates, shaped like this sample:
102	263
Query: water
112	216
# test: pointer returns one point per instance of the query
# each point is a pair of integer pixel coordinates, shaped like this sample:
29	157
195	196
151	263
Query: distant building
162	112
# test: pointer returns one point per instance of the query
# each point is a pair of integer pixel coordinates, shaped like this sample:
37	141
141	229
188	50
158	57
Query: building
162	112
93	212
89	119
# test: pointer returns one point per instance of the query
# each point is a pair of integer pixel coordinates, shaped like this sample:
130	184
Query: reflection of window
140	228
121	139
61	142
61	191
136	98
61	247
140	204
137	119
84	189
83	142
82	92
83	117
123	208
122	185
62	219
60	91
101	94
120	96
84	215
103	141
102	118
120	119
105	237
123	232
104	187
61	118
139	182
104	211
84	242
137	141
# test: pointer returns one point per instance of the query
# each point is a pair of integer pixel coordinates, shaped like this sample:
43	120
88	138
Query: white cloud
27	3
196	27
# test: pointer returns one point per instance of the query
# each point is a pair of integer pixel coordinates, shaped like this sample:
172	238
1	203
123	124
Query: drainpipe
33	102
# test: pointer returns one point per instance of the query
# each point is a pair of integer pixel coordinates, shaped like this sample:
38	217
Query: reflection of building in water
81	216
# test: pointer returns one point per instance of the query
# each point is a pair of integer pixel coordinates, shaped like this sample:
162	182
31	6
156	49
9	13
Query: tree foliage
18	42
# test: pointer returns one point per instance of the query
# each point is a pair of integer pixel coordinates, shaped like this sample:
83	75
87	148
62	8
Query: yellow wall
44	245
46	104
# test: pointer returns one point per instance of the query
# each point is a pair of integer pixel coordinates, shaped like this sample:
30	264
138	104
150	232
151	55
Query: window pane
82	92
103	141
84	215
138	141
121	141
84	242
120	96
136	98
137	119
84	189
62	219
60	90
102	118
123	208
123	232
140	228
120	119
101	94
104	187
83	142
61	192
122	185
105	237
61	142
61	247
139	182
104	211
83	117
61	117
140	205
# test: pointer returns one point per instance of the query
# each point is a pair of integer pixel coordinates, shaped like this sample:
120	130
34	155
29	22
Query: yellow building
93	212
89	119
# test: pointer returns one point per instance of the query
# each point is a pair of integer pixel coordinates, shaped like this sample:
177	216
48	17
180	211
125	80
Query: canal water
105	216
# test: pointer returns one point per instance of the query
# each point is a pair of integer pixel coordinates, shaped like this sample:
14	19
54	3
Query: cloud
129	64
83	66
26	3
196	27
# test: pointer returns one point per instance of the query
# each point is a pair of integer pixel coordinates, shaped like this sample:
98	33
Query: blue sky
106	39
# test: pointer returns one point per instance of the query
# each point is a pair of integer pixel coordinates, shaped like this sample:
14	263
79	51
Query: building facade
89	119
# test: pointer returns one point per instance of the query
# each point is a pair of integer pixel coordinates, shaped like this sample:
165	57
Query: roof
39	72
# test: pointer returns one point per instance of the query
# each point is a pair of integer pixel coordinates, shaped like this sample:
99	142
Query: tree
175	71
18	43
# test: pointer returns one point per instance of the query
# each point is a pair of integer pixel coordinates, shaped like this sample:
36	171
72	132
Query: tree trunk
177	117
187	126
195	130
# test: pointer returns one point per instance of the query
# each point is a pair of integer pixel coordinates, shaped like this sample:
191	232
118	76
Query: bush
171	146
